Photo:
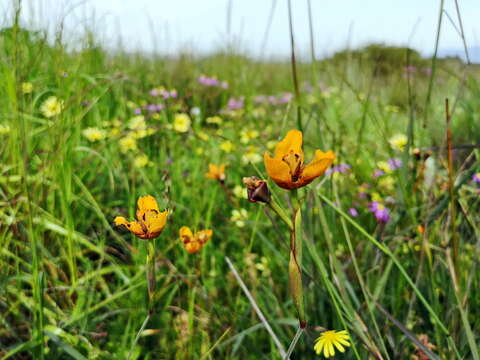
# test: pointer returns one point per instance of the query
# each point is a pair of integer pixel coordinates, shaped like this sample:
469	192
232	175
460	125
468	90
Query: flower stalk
295	265
151	279
289	171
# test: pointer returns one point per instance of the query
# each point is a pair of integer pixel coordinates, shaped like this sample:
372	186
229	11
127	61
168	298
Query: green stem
151	275
280	212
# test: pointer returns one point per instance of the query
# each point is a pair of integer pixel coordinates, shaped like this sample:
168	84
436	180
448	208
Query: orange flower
194	242
287	169
150	221
216	172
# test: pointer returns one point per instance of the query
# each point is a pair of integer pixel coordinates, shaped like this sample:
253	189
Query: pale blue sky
201	25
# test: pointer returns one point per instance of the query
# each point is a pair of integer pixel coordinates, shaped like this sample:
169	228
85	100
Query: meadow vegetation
390	232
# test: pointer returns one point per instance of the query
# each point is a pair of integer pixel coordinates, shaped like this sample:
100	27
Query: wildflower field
226	207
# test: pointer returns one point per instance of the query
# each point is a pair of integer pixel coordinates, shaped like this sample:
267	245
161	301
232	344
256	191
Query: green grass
74	286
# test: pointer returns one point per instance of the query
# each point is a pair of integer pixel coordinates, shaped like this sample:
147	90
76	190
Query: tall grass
73	286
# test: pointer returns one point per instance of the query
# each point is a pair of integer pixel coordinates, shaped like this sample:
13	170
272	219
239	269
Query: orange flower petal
292	142
136	228
156	222
317	167
186	234
120	220
193	247
203	236
132	226
278	171
147	203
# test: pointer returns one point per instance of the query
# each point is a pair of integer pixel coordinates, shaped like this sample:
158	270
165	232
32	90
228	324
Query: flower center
294	162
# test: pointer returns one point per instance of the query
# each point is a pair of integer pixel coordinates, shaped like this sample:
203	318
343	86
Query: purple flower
259	99
211	81
427	70
151	107
410	69
285	98
342	168
137	111
378	173
272	100
381	212
353	212
154	92
235	104
208	81
394	163
476	177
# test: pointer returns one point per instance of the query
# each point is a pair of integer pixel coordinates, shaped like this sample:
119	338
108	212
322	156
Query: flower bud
257	189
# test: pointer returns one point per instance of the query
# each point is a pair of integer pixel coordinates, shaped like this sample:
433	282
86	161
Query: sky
202	26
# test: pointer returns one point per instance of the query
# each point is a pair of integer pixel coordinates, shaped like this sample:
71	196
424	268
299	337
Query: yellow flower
137	123
247	135
127	143
239	217
240	192
217	120
194	242
287	169
398	142
216	172
383	165
150	221
376	197
203	135
27	87
51	107
181	123
251	156
4	129
259	112
387	183
226	146
94	134
329	340
141	161
139	128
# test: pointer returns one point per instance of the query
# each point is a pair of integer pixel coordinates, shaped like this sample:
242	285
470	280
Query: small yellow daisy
51	107
181	123
330	340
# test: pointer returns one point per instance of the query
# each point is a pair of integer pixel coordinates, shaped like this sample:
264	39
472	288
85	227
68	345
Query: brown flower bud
257	189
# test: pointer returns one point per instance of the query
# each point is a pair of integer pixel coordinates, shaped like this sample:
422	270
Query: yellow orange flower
51	107
194	242
150	221
27	87
226	146
398	142
94	134
287	168
181	123
329	340
216	172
